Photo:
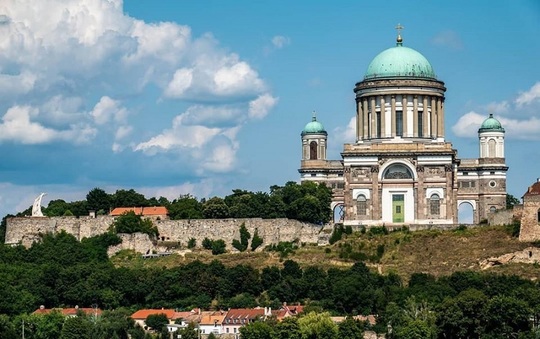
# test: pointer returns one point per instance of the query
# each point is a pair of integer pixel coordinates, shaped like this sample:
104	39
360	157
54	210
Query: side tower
400	170
482	181
315	167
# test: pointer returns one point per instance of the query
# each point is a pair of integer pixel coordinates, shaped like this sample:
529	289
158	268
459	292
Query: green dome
491	124
399	61
313	127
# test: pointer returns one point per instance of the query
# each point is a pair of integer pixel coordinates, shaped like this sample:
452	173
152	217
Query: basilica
401	170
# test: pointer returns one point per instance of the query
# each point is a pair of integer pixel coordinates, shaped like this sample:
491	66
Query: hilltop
438	253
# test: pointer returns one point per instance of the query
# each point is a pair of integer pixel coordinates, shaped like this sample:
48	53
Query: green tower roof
399	61
491	124
313	126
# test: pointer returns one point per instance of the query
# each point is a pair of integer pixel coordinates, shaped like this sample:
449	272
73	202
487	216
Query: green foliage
242	245
99	201
157	321
128	198
218	247
513	228
511	201
283	247
215	208
377	231
257	330
185	207
130	223
337	234
190	332
192	243
351	328
207	244
78	327
256	241
318	326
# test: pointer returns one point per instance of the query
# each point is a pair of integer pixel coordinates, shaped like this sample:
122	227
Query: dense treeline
307	201
61	271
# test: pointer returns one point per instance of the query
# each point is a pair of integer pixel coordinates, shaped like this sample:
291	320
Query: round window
492	183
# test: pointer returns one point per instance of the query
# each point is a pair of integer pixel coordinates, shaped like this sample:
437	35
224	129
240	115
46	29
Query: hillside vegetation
438	253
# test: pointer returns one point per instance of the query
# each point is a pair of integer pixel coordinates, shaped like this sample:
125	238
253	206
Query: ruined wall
504	217
26	230
530	226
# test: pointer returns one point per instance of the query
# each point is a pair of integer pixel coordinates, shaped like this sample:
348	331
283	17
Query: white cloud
221	159
280	41
107	110
345	134
260	107
519	117
449	39
181	81
530	96
18	83
17	126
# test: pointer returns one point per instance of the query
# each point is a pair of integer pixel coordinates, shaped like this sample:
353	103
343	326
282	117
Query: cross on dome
399	39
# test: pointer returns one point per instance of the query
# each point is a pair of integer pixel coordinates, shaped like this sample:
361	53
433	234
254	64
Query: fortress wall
26	230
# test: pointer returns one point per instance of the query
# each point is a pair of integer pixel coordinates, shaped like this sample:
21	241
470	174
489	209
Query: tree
288	329
130	223
98	200
128	198
242	245
186	207
76	328
317	326
7	330
257	330
351	328
207	244
157	321
215	208
218	247
511	201
256	241
461	317
192	243
190	332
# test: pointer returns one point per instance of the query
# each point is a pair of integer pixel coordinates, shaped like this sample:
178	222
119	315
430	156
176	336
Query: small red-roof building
155	212
141	315
530	214
238	317
70	311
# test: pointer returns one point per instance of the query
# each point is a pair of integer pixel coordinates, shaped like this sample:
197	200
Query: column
365	121
433	122
359	118
373	120
441	117
393	116
383	120
440	132
415	116
425	117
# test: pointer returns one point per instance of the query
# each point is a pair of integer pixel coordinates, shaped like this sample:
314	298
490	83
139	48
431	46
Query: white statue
36	208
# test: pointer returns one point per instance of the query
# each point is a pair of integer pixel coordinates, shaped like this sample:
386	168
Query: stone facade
26	230
530	216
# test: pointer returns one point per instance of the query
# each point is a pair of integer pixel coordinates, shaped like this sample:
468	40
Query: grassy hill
435	252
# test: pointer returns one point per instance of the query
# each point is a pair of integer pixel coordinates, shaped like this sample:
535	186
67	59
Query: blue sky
171	97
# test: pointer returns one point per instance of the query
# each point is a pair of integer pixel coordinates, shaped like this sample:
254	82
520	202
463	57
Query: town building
400	169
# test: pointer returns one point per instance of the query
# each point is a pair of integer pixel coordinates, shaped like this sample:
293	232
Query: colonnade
406	116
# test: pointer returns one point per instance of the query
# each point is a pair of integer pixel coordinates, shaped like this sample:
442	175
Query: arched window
398	171
491	148
435	205
538	216
361	205
492	209
313	150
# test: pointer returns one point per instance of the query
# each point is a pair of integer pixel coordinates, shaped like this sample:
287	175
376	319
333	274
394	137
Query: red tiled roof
69	311
534	189
156	210
245	313
143	314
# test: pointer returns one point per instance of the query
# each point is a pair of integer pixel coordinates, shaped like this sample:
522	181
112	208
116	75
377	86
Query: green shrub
192	243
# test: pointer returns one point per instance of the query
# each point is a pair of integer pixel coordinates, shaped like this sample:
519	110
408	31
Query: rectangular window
378	124
399	123
420	124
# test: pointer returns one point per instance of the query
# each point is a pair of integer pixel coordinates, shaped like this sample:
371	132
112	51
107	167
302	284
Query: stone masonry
26	230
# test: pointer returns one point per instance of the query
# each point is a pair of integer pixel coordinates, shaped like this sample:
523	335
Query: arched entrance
397	179
338	213
466	210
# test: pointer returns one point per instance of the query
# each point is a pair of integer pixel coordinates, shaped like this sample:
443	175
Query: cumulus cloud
345	134
530	96
260	107
519	117
449	39
280	41
107	110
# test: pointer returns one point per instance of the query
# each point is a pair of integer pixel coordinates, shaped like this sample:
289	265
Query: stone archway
467	212
338	213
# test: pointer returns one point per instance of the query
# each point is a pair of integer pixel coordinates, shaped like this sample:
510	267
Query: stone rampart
26	230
